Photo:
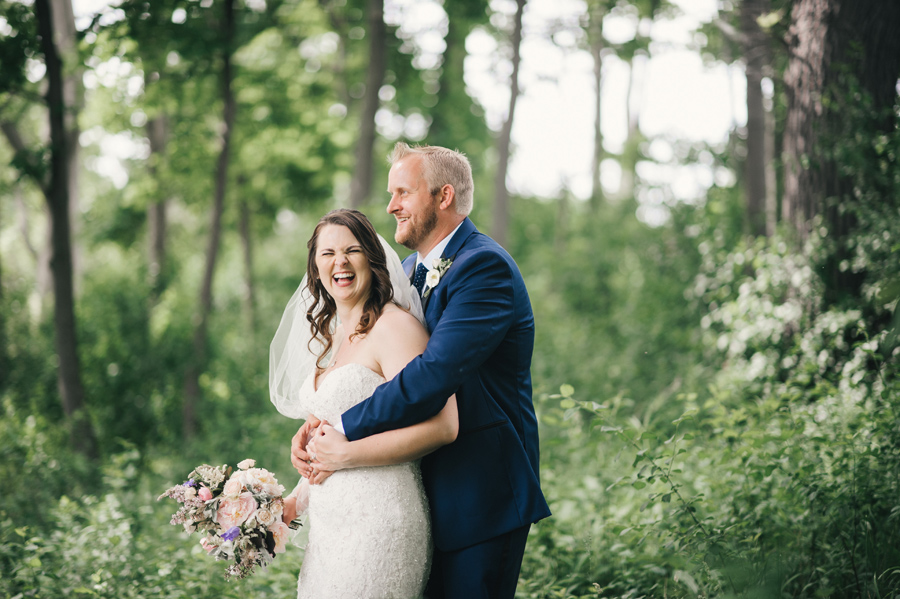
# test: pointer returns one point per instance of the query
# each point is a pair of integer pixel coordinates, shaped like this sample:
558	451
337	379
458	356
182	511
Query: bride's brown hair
322	310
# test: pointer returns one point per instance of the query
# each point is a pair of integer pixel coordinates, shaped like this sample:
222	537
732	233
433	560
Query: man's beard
417	233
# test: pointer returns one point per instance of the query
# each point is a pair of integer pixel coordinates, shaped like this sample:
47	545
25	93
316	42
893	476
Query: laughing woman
349	328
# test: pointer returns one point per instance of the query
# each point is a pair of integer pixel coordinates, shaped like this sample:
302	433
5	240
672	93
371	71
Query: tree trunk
771	174
501	193
861	37
249	288
757	58
450	126
57	191
338	22
73	96
361	184
631	150
197	362
837	46
157	134
595	33
444	130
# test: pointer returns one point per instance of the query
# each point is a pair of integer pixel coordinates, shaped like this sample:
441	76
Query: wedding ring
312	455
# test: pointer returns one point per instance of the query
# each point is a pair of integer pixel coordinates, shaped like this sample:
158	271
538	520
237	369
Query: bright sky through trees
676	94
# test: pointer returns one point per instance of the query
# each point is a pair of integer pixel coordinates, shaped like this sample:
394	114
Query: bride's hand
299	456
331	449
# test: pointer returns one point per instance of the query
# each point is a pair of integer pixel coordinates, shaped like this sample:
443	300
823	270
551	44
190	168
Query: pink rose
233	487
204	494
280	532
234	512
207	545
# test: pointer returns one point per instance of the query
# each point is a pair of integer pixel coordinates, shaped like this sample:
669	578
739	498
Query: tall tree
760	134
245	228
453	123
500	230
361	184
56	34
829	39
199	356
157	135
595	14
635	53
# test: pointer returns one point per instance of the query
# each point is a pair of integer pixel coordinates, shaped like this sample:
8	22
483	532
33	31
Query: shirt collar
438	250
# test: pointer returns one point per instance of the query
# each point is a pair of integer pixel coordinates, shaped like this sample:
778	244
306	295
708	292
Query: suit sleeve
478	313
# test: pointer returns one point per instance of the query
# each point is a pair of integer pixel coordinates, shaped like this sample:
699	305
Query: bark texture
246	228
829	39
157	134
758	58
63	139
500	230
595	36
198	359
361	184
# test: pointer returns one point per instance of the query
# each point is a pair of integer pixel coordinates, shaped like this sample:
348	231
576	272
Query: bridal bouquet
237	512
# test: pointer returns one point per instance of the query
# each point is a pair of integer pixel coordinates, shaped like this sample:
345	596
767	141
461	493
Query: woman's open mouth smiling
343	279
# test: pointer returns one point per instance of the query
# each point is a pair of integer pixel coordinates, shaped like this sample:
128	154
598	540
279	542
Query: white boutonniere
433	277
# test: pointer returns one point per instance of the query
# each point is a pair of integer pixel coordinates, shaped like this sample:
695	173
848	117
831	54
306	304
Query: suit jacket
485	483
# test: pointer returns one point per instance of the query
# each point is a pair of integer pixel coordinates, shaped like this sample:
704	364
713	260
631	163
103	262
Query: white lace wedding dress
369	530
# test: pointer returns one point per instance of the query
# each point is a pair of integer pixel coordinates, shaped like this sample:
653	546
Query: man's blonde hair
442	166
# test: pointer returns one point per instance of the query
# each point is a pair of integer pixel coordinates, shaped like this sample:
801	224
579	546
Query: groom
483	489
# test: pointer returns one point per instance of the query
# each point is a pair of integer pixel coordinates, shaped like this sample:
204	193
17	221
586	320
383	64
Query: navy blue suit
485	483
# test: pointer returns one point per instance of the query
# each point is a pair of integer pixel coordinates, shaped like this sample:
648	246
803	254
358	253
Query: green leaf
567	404
566	390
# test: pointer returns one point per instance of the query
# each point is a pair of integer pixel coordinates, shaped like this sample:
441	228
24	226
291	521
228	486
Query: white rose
432	279
190	493
233	487
265	517
273	490
256	476
246	464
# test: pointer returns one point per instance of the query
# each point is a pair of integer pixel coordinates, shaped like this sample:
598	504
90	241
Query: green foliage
715	421
611	292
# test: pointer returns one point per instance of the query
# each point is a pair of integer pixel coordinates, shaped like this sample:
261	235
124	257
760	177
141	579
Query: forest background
717	390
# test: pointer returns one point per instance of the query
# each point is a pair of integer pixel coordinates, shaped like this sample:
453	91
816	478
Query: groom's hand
299	456
330	449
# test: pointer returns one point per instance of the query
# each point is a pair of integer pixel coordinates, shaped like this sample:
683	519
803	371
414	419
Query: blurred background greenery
717	390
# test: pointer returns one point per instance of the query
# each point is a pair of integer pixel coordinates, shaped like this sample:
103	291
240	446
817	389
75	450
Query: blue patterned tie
419	281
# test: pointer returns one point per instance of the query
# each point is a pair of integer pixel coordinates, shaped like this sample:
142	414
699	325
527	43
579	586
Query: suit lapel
466	229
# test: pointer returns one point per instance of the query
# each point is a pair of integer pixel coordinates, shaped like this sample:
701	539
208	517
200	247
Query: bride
353	324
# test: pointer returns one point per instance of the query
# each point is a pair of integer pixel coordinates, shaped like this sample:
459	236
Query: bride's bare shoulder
397	337
396	322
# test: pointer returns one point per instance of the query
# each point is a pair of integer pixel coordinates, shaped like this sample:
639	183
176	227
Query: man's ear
448	194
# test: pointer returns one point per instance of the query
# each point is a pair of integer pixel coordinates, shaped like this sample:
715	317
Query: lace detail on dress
369	529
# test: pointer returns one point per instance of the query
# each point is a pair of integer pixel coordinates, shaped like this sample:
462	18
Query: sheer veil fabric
293	351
